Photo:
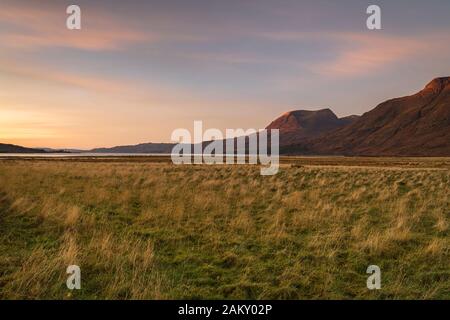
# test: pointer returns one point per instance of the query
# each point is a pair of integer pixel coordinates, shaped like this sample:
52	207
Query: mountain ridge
298	125
149	147
12	148
414	125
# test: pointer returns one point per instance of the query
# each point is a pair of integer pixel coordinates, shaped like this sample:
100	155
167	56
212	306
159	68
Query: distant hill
294	126
416	125
139	148
11	148
297	125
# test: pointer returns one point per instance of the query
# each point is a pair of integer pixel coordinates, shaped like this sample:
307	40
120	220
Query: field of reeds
153	230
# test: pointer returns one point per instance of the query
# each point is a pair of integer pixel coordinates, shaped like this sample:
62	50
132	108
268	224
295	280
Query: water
86	154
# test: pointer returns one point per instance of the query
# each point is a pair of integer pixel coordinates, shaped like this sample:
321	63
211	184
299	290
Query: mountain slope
12	148
140	148
296	126
416	125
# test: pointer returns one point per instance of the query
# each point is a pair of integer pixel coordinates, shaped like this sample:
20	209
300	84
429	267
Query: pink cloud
37	27
88	82
362	53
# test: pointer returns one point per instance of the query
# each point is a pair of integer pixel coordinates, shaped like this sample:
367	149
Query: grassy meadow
153	230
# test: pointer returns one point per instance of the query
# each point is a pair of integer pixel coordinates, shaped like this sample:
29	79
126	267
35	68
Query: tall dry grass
155	230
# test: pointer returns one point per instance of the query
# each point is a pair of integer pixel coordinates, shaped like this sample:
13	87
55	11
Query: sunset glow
136	72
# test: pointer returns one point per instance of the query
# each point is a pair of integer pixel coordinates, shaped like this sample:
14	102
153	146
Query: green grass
158	231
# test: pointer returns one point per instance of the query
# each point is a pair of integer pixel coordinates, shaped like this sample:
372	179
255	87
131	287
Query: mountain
416	125
11	148
140	148
296	126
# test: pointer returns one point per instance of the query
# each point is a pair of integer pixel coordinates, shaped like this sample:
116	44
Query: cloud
47	74
365	53
354	54
34	27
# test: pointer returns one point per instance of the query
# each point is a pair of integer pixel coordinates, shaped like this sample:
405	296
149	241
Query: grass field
147	229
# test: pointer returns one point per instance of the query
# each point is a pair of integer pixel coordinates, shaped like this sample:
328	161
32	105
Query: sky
137	70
